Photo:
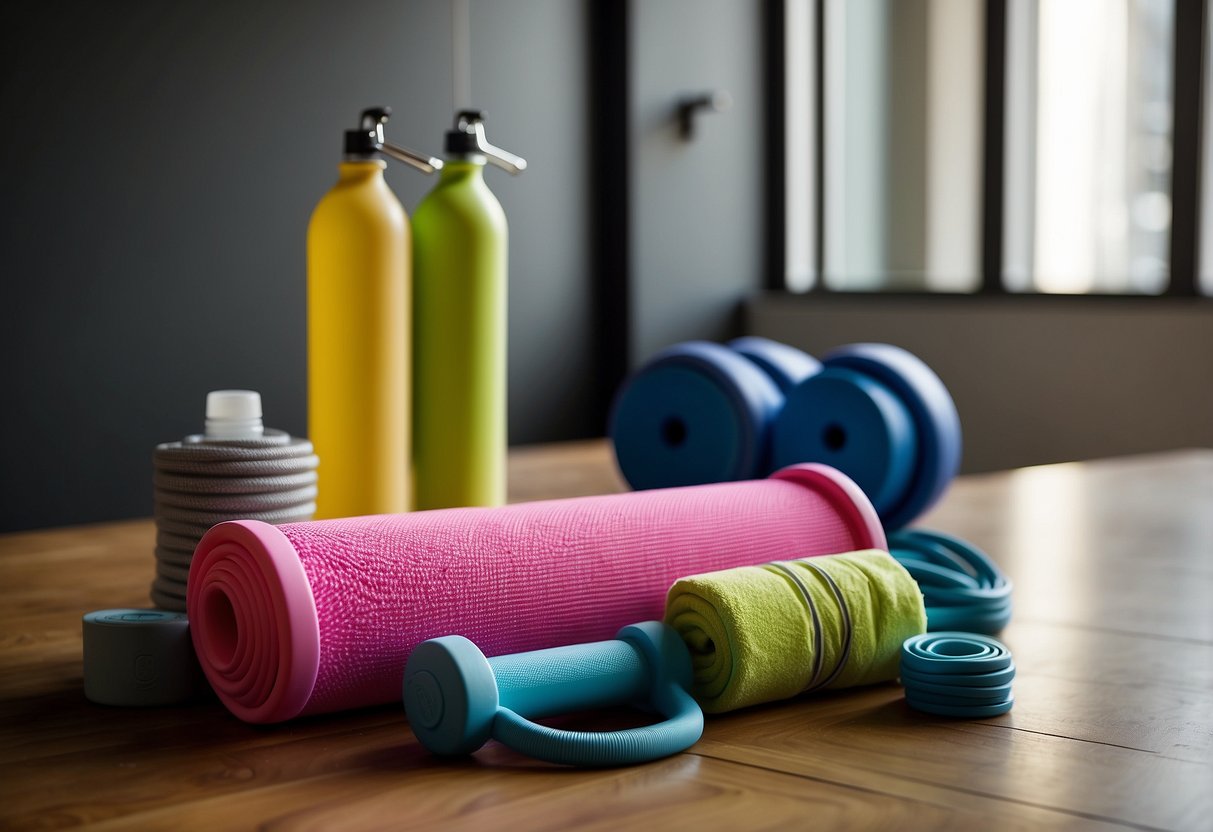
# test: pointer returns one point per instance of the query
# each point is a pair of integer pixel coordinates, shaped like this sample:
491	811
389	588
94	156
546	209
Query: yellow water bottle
359	330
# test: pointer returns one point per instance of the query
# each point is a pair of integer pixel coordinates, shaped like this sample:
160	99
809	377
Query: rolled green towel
763	633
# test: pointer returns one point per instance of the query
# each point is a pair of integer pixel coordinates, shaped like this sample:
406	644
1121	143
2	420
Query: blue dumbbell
456	699
700	412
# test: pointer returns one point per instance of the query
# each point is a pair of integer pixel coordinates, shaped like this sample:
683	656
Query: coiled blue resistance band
962	587
960	675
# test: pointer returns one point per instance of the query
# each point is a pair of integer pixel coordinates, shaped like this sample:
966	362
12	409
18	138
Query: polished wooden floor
1112	725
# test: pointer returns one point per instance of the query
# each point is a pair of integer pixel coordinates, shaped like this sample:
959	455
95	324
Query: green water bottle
459	327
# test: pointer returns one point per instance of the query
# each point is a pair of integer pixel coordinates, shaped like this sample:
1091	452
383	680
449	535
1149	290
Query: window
1088	185
1012	145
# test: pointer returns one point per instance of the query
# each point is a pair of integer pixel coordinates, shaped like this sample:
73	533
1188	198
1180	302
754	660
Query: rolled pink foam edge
254	622
844	494
228	625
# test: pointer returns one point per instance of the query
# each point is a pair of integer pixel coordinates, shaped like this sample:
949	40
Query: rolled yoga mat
315	617
763	633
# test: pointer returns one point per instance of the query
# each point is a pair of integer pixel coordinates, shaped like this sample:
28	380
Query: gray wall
158	165
697	220
529	72
1035	379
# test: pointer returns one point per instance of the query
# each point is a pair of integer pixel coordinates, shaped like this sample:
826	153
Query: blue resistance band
954	674
962	588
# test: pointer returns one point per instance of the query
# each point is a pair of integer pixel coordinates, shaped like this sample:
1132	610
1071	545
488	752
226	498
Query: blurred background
1016	190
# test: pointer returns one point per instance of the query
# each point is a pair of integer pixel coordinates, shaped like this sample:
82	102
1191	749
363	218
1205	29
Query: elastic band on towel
807	597
815	682
847	629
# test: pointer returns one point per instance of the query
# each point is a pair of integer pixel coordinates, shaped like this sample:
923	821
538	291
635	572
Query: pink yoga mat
308	618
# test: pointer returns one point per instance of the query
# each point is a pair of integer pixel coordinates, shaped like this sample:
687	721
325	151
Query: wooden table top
1112	725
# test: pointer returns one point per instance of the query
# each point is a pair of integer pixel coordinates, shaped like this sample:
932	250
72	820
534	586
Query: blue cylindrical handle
573	678
786	365
456	699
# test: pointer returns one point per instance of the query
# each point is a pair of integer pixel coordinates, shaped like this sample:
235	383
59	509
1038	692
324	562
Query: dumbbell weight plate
696	413
450	695
934	414
854	423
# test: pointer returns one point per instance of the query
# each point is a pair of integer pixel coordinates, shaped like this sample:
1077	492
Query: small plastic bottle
358	265
460	325
233	414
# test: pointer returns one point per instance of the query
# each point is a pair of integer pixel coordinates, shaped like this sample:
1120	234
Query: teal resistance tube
962	587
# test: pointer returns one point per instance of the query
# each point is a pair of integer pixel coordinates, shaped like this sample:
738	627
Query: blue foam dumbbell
457	699
701	412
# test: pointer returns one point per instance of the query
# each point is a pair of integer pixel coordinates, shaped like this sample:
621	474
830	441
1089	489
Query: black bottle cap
467	139
463	139
365	141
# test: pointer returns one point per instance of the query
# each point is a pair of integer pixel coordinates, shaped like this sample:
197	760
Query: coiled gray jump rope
236	470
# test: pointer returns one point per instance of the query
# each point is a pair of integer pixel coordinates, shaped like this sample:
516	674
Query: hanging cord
200	482
818	647
962	587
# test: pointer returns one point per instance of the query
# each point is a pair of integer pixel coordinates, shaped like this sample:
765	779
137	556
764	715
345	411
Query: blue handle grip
456	699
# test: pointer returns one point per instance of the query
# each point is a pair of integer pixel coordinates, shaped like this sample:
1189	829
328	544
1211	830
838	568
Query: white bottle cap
233	414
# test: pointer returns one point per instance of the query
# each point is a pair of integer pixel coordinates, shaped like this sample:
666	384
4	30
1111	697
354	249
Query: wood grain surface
1112	726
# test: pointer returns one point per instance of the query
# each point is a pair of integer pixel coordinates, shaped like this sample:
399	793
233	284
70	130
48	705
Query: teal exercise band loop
961	675
456	699
961	711
962	587
942	694
995	678
606	748
951	653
